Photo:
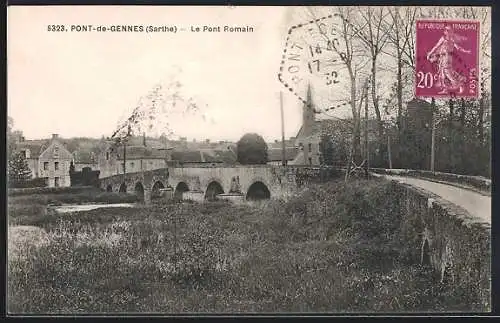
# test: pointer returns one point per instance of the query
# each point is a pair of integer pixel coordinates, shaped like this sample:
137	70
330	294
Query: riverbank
334	248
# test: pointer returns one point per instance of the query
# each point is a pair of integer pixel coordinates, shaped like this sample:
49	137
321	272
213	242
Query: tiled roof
83	149
275	154
204	156
340	126
141	152
219	155
36	147
187	156
419	102
86	156
278	144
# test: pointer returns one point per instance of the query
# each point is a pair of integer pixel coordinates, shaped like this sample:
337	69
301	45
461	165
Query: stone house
117	160
48	159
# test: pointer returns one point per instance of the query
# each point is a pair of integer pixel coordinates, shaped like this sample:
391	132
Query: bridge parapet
455	244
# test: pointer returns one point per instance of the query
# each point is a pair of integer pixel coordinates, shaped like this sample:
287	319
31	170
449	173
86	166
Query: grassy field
335	248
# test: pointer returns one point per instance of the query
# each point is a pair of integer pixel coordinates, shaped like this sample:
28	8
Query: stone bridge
208	183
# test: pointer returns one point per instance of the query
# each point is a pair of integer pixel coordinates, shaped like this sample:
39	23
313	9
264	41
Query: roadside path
476	204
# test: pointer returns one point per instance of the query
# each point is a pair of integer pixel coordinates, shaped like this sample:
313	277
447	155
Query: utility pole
433	134
283	152
367	151
129	130
389	150
124	157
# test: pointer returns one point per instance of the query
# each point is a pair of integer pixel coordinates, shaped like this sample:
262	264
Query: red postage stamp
447	59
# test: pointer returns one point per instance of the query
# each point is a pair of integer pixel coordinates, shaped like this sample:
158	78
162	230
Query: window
310	161
56	152
310	147
56	165
45	165
107	155
132	164
23	153
56	181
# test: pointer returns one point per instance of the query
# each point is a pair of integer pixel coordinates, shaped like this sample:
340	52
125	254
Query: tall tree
374	38
399	29
347	49
326	150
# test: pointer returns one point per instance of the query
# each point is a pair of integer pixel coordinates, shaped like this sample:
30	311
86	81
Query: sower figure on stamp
442	53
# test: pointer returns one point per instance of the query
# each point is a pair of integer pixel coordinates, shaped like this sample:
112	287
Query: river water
87	207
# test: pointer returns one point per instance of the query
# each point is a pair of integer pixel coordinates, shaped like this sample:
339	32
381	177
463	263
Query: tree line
375	41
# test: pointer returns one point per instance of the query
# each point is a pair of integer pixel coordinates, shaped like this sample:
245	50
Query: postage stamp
447	58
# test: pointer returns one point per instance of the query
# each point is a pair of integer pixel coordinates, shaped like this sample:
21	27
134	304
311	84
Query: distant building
85	158
117	160
419	114
275	155
309	135
48	159
203	157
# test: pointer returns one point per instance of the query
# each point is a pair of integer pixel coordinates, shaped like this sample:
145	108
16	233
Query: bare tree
346	47
400	29
374	38
153	111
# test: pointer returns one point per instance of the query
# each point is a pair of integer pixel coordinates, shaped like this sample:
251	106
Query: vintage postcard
235	160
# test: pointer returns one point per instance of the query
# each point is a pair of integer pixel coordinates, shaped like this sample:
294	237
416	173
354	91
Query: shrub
251	149
334	247
47	190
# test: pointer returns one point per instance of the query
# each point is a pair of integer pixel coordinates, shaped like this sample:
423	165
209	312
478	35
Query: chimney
55	136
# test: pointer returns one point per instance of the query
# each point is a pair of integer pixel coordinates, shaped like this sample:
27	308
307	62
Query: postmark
312	58
447	59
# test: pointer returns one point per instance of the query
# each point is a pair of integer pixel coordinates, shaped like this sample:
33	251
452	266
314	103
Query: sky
84	84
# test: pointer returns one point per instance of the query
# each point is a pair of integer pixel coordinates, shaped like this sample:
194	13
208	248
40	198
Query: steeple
308	113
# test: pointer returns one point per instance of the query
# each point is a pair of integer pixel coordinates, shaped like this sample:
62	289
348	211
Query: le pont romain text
225	29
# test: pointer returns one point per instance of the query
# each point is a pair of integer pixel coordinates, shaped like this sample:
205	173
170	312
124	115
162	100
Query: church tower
308	117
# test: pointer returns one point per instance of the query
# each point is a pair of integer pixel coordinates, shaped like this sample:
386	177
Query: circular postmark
313	57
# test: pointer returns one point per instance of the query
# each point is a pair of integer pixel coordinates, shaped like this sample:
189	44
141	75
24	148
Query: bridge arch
156	189
180	189
109	188
139	190
123	188
213	188
258	191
